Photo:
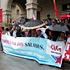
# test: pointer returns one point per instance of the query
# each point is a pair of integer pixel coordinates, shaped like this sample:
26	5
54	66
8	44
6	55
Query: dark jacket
19	33
41	36
11	33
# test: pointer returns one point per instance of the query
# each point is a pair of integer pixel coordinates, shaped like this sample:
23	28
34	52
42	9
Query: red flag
55	8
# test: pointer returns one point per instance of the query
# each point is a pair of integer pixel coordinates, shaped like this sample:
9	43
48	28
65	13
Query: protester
49	22
50	35
19	32
7	32
13	31
62	21
29	33
68	35
39	34
33	33
53	22
66	21
62	37
3	30
23	34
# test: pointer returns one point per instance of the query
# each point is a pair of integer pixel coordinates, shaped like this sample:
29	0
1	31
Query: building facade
12	9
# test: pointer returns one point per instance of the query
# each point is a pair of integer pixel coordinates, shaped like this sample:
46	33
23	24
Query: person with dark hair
23	34
50	35
19	32
62	37
66	21
7	29
54	22
49	22
68	36
13	31
39	34
33	33
3	30
62	21
29	33
7	32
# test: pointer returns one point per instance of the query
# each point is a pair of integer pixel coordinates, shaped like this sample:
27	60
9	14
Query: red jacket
0	32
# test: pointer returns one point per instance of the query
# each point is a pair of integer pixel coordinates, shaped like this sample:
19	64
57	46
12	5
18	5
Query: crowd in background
17	31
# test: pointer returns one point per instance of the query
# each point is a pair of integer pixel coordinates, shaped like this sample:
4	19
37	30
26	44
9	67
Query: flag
55	8
0	15
33	17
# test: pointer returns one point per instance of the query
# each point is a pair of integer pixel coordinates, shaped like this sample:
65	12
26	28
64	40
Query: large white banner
42	50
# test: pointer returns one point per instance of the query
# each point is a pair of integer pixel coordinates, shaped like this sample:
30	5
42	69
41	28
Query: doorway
38	15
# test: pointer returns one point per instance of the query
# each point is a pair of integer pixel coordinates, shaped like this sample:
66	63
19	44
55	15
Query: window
17	12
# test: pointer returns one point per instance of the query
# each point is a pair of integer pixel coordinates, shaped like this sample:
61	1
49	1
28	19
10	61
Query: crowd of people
16	31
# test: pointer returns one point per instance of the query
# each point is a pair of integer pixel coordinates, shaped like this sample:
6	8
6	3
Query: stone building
12	9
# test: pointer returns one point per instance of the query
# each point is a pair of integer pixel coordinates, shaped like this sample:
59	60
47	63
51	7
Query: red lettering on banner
67	45
20	44
67	54
12	42
55	48
67	57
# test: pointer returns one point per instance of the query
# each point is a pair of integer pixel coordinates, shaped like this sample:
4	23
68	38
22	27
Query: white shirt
14	33
7	33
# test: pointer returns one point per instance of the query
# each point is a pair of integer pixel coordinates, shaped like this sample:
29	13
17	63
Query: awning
65	16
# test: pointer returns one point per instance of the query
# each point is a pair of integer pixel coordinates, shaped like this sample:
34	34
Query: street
34	29
8	62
